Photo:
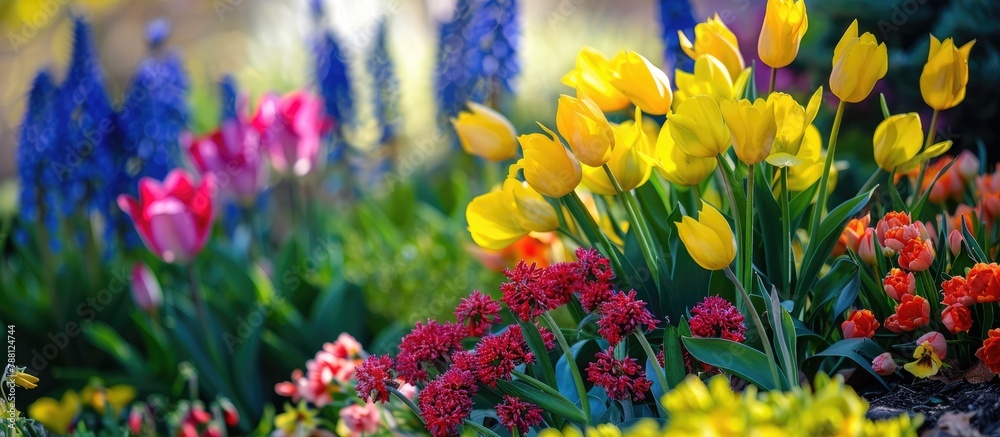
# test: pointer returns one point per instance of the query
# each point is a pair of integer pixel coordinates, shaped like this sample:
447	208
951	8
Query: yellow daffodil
55	415
943	79
898	140
785	23
710	77
582	123
485	133
298	420
712	37
752	127
858	62
679	167
530	209
927	364
792	121
548	167
591	77
630	162
643	83
709	239
24	380
698	129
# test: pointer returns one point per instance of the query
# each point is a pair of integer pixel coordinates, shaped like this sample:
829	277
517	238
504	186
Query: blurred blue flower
386	99
675	15
494	53
36	148
455	81
333	79
228	96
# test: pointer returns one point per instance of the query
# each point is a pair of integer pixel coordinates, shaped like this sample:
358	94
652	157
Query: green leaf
840	285
859	350
976	251
673	356
821	245
543	366
107	339
736	358
550	401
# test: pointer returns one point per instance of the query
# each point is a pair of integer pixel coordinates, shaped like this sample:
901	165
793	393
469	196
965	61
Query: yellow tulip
858	62
630	162
548	167
582	123
709	240
943	80
792	121
485	133
643	83
698	129
710	77
491	221
785	23
530	209
679	167
713	38
591	78
898	140
57	416
752	127
808	172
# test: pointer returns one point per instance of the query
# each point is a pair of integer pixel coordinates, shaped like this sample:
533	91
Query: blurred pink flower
361	420
293	127
233	154
145	288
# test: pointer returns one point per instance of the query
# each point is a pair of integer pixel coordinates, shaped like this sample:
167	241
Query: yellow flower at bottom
709	240
57	416
927	363
296	419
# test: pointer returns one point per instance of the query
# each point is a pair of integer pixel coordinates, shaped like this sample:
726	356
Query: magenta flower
293	126
173	218
233	154
145	288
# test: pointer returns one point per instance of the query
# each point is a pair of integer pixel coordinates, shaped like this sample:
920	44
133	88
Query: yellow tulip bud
792	121
698	129
943	80
591	78
630	160
898	140
642	82
709	240
583	125
492	223
752	126
713	38
530	209
785	23
710	77
858	62
679	167
548	167
485	133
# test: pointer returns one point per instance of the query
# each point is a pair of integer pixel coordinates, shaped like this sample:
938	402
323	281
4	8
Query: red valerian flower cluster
597	278
717	317
621	379
524	293
621	315
428	345
479	311
517	414
497	355
446	401
375	377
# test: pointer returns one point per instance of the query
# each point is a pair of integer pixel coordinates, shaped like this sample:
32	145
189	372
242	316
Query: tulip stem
871	181
593	232
641	227
661	376
764	339
571	362
786	235
820	209
774	77
919	186
202	311
747	259
405	400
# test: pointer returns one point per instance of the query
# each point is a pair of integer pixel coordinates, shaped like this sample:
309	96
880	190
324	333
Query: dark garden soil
955	408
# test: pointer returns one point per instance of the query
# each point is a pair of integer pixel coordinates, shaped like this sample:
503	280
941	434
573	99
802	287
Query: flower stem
774	77
747	259
820	209
786	236
590	228
202	311
399	395
642	231
660	374
571	361
764	339
919	186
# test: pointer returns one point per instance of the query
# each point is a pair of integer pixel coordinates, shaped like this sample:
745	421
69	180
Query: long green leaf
556	404
822	244
107	339
859	350
736	358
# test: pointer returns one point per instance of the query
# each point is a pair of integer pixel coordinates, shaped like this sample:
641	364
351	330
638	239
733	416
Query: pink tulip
145	288
293	127
937	342
173	218
361	420
866	247
955	240
884	365
233	154
967	165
